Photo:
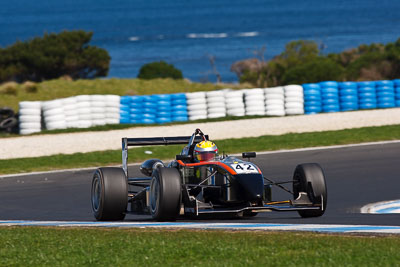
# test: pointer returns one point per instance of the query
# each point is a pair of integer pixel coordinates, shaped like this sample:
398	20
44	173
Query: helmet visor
206	156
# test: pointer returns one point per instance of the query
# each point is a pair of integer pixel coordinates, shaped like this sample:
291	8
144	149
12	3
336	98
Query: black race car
225	185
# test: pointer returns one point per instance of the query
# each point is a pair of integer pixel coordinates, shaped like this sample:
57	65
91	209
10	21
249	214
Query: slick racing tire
165	194
109	194
309	178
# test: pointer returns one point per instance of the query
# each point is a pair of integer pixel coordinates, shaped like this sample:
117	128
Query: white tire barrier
197	105
234	103
216	107
30	117
294	100
254	101
274	101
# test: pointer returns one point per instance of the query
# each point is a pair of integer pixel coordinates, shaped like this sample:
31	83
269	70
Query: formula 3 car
222	185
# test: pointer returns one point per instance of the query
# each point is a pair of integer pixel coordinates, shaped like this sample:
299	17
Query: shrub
9	88
30	87
159	70
52	56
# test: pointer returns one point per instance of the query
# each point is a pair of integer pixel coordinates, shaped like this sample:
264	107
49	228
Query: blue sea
186	33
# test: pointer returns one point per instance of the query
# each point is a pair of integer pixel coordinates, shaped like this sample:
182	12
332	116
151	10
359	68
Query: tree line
53	56
303	62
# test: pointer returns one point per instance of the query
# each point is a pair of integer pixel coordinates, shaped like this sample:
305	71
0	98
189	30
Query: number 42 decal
244	168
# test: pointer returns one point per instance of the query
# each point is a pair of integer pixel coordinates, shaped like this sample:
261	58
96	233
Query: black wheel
109	194
165	194
309	178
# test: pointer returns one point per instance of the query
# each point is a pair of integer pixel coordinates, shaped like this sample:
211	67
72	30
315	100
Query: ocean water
187	33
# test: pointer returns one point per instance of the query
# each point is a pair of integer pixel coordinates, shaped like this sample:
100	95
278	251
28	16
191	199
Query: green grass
60	88
26	246
263	143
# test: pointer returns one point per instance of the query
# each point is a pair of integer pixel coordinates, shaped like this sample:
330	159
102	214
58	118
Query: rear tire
309	178
109	194
165	194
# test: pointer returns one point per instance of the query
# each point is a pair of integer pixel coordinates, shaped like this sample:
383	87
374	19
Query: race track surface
355	176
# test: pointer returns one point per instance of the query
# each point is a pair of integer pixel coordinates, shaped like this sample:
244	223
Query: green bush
160	69
302	62
52	56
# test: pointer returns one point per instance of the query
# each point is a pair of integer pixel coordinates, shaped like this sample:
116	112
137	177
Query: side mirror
183	157
249	154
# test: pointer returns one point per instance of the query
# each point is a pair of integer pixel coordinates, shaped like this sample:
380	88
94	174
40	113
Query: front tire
310	178
165	194
109	194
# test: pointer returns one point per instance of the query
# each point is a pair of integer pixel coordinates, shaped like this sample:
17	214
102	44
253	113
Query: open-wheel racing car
199	182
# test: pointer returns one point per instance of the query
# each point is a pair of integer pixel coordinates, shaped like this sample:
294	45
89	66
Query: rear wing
153	141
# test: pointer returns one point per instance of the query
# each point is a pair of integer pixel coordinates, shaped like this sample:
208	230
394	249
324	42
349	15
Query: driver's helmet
205	151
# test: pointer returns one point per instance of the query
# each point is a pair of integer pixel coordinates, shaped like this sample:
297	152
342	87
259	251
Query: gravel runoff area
69	143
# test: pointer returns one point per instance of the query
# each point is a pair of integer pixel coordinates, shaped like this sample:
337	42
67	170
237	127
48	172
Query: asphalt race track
355	176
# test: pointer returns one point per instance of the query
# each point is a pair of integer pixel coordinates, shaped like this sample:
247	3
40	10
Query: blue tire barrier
163	103
367	95
367	105
179	101
124	107
367	100
149	116
362	90
349	98
164	108
348	85
135	116
163	120
312	104
180	113
135	105
312	109
124	113
183	118
329	90
135	111
316	92
125	100
350	91
312	98
152	105
366	84
178	96
331	108
164	114
162	97
148	121
178	108
139	121
386	104
149	98
384	83
397	103
330	101
328	84
345	106
149	111
396	82
330	95
385	94
384	89
385	99
307	86
124	120
397	90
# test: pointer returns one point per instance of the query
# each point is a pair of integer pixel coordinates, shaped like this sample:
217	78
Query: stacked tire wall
85	111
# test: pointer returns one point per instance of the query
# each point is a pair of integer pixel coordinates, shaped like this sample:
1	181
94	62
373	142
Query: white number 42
244	168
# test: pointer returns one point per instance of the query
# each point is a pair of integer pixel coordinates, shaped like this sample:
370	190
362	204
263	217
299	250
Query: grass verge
61	88
263	143
36	246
